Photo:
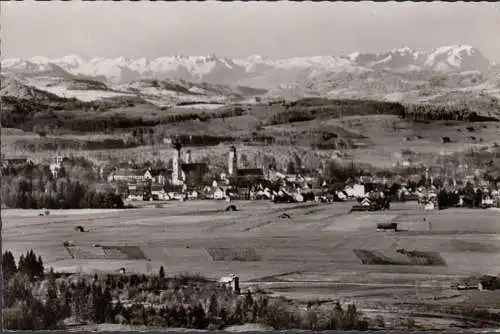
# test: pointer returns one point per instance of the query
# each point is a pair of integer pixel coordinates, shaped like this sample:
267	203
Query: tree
199	319
350	317
298	162
53	308
162	272
213	307
9	267
107	306
30	265
248	306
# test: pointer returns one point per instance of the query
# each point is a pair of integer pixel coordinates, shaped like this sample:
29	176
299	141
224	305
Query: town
180	178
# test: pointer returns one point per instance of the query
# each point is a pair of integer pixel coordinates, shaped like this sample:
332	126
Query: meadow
307	256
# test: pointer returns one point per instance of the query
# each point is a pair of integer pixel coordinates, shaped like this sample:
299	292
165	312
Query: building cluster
184	179
188	179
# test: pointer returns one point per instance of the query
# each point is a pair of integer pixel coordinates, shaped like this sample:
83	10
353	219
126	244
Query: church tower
176	164
233	161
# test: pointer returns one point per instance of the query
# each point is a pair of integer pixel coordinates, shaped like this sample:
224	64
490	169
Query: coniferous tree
53	309
9	267
199	320
213	307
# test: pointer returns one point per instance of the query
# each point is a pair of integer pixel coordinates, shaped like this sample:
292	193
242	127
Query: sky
241	29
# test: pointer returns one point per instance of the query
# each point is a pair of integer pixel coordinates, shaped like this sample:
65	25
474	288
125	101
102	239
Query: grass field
306	256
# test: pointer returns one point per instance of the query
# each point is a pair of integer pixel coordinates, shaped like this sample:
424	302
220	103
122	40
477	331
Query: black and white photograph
250	166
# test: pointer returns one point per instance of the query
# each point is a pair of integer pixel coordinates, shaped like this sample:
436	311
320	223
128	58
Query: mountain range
384	75
220	70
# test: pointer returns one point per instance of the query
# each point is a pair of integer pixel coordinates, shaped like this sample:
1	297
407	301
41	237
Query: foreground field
305	257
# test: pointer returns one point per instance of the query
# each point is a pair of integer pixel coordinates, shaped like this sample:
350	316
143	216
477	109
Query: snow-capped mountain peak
215	69
70	61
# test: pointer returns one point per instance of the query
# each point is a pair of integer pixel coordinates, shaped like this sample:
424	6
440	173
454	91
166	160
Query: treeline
54	144
154	300
34	187
18	113
201	140
471	198
313	108
435	112
102	122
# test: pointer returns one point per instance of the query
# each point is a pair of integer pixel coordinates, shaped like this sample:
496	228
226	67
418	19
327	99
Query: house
148	176
487	202
366	202
430	205
341	195
193	195
136	189
158	190
219	193
126	175
156	175
133	197
355	190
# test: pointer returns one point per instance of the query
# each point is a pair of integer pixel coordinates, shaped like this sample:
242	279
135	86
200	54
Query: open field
304	257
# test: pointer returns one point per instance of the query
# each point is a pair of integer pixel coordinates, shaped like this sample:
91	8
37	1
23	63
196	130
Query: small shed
79	228
232	282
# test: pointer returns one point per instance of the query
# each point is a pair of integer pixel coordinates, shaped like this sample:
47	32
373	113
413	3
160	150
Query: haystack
387	226
79	228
